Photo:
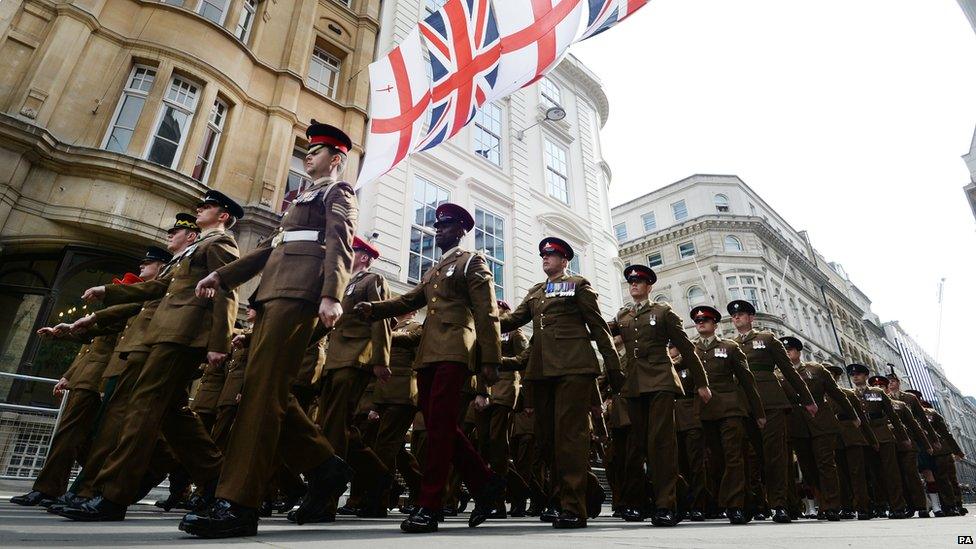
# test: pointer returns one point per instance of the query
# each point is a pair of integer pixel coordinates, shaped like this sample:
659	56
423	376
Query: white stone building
521	177
969	9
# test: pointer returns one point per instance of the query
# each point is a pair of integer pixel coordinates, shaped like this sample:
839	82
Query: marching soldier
652	384
692	447
908	450
462	319
232	391
561	371
205	399
618	425
914	406
856	436
950	495
815	453
304	271
734	397
884	422
184	331
766	354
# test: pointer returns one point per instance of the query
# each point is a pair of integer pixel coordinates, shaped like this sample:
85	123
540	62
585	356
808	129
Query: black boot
517	509
265	510
736	516
424	521
832	515
325	484
664	517
781	516
223	519
97	509
630	514
696	516
549	515
567	520
493	491
68	499
864	515
33	499
347	511
463	498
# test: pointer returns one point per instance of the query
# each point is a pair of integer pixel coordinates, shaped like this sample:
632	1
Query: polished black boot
781	516
424	521
97	509
549	515
174	501
33	499
696	516
287	502
517	509
325	483
347	511
664	517
265	510
492	492
736	516
463	498
68	499
223	519
631	514
864	515
567	520
832	515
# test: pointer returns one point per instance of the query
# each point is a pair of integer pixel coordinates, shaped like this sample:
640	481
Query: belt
761	368
296	236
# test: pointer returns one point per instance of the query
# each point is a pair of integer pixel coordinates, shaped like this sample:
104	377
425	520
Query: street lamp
553	114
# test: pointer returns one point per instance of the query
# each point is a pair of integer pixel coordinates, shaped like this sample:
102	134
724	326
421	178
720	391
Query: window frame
546	98
653	218
166	103
694	250
660	259
479	128
704	296
127	91
617	232
249	12
552	143
423	229
674	211
217	129
320	53
738	244
738	285
722	201
223	10
489	258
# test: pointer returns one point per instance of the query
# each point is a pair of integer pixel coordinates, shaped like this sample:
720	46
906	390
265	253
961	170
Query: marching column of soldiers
332	384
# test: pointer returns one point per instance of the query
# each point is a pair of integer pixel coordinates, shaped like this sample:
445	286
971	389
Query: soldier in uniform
815	453
856	436
525	453
232	391
462	319
950	495
618	425
908	450
914	406
83	379
359	351
766	355
304	269
205	399
885	423
734	397
652	384
692	449
562	367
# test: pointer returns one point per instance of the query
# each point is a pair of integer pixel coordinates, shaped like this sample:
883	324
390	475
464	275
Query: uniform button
435	285
433	300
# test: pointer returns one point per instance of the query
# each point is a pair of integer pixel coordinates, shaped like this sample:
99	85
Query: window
130	107
243	30
489	237
655	260
487	133
215	125
426	197
620	230
686	250
323	72
557	172
696	296
174	121
721	203
297	179
649	221
573	269
680	210
213	10
732	244
748	288
661	298
549	94
430	6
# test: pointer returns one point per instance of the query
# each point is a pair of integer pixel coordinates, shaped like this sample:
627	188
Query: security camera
374	236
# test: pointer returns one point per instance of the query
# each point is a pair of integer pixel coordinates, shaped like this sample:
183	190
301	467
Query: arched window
660	298
732	244
721	203
695	296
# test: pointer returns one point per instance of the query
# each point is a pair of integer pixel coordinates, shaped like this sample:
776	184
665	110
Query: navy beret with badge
740	306
218	198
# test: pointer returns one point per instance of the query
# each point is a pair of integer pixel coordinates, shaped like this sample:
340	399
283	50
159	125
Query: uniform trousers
775	455
222	425
493	424
71	442
887	476
616	461
691	464
653	439
910	479
946	480
851	474
815	456
439	395
395	420
269	419
158	405
525	457
726	439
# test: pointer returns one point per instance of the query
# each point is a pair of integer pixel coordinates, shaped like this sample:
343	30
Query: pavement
147	526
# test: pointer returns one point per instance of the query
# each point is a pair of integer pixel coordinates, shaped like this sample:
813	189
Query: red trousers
439	395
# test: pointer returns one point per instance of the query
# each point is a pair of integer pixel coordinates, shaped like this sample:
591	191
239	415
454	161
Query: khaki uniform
734	398
182	330
945	467
227	399
908	449
308	382
918	412
295	276
852	443
207	394
883	462
651	387
618	424
766	355
562	367
460	331
816	445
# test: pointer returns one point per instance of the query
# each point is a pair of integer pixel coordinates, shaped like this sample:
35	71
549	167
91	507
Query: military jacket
918	411
733	386
133	336
504	392
314	358
306	270
821	385
402	385
355	342
86	370
881	415
235	368
916	439
852	434
208	391
766	354
617	414
949	444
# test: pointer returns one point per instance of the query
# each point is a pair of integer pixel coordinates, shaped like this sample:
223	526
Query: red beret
704	311
362	245
503	305
553	245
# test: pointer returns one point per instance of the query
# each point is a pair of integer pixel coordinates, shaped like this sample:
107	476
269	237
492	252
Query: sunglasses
703	320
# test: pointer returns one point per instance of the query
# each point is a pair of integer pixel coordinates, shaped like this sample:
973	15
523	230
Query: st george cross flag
535	35
399	97
604	14
464	46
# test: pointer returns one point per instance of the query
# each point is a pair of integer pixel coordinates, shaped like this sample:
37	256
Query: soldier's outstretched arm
135	293
786	368
245	267
339	234
893	418
415	299
678	337
224	301
521	316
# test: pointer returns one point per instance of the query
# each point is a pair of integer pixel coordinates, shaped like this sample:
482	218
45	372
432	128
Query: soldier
914	406
83	379
494	422
815	453
232	391
692	462
304	271
885	423
562	367
462	319
359	351
618	425
766	355
525	453
734	397
856	436
945	466
205	399
908	450
184	331
652	383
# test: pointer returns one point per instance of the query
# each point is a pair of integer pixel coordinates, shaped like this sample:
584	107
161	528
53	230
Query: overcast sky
848	117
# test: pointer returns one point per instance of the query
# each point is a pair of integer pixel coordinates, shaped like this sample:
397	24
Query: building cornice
574	69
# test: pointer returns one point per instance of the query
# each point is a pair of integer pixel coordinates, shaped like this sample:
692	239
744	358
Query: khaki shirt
766	354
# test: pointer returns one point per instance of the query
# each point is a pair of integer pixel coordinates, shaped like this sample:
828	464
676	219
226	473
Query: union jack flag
463	41
607	13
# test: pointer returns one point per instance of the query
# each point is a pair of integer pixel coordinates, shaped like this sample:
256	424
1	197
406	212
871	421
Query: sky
848	117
